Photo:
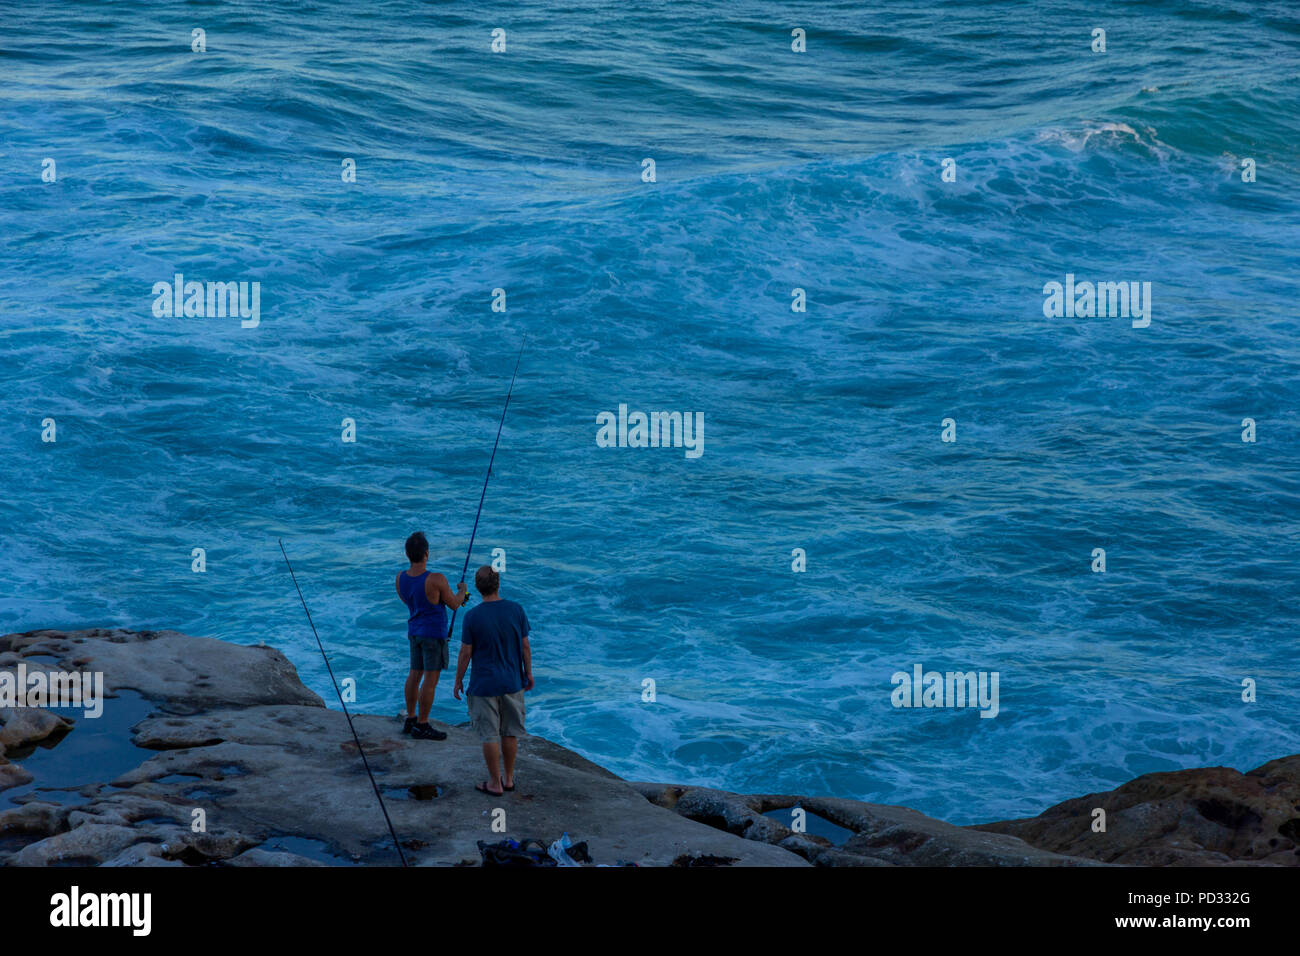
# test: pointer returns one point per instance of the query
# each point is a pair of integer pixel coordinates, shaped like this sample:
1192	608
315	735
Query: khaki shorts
493	717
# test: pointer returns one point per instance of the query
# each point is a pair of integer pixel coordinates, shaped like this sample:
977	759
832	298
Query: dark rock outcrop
881	835
1205	817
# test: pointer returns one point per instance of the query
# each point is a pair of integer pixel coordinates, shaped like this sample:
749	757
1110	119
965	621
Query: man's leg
433	655
509	750
427	689
511	726
492	757
412	687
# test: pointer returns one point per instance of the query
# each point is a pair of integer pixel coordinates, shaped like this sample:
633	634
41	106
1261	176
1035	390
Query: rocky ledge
216	753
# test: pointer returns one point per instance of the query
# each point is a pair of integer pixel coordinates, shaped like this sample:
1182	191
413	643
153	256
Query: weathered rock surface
233	735
1204	817
882	835
20	726
189	674
229	735
12	775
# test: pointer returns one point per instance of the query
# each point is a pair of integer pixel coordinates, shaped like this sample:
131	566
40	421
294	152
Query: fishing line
387	819
465	569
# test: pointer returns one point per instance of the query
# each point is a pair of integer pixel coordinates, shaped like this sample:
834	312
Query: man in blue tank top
426	595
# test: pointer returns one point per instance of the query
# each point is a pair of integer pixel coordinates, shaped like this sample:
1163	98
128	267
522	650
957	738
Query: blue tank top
427	620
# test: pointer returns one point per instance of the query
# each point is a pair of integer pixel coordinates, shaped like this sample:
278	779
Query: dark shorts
429	654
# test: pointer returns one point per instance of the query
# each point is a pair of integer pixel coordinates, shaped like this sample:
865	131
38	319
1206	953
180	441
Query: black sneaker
427	732
408	725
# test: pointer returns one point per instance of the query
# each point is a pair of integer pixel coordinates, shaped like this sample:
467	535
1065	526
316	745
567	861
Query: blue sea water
775	170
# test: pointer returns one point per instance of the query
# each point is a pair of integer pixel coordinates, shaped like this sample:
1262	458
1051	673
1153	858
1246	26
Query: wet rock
85	845
1205	817
235	751
239	747
882	835
22	726
142	854
908	838
34	817
260	857
12	775
200	848
189	673
702	859
834	857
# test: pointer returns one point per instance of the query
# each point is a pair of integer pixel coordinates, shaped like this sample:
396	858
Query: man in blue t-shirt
494	638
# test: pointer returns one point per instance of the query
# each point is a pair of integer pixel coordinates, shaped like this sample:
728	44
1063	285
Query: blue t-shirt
496	631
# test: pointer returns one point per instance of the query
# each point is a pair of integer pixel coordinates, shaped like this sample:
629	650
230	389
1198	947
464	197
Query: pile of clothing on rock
563	852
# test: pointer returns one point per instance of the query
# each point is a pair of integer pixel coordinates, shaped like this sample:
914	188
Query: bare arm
437	589
528	665
462	663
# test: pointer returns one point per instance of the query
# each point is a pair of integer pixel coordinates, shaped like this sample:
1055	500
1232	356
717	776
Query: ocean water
775	170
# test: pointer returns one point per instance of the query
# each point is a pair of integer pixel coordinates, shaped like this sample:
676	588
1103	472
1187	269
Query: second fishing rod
486	478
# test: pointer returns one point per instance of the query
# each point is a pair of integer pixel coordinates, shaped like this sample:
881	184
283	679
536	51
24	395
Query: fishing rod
470	551
387	819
